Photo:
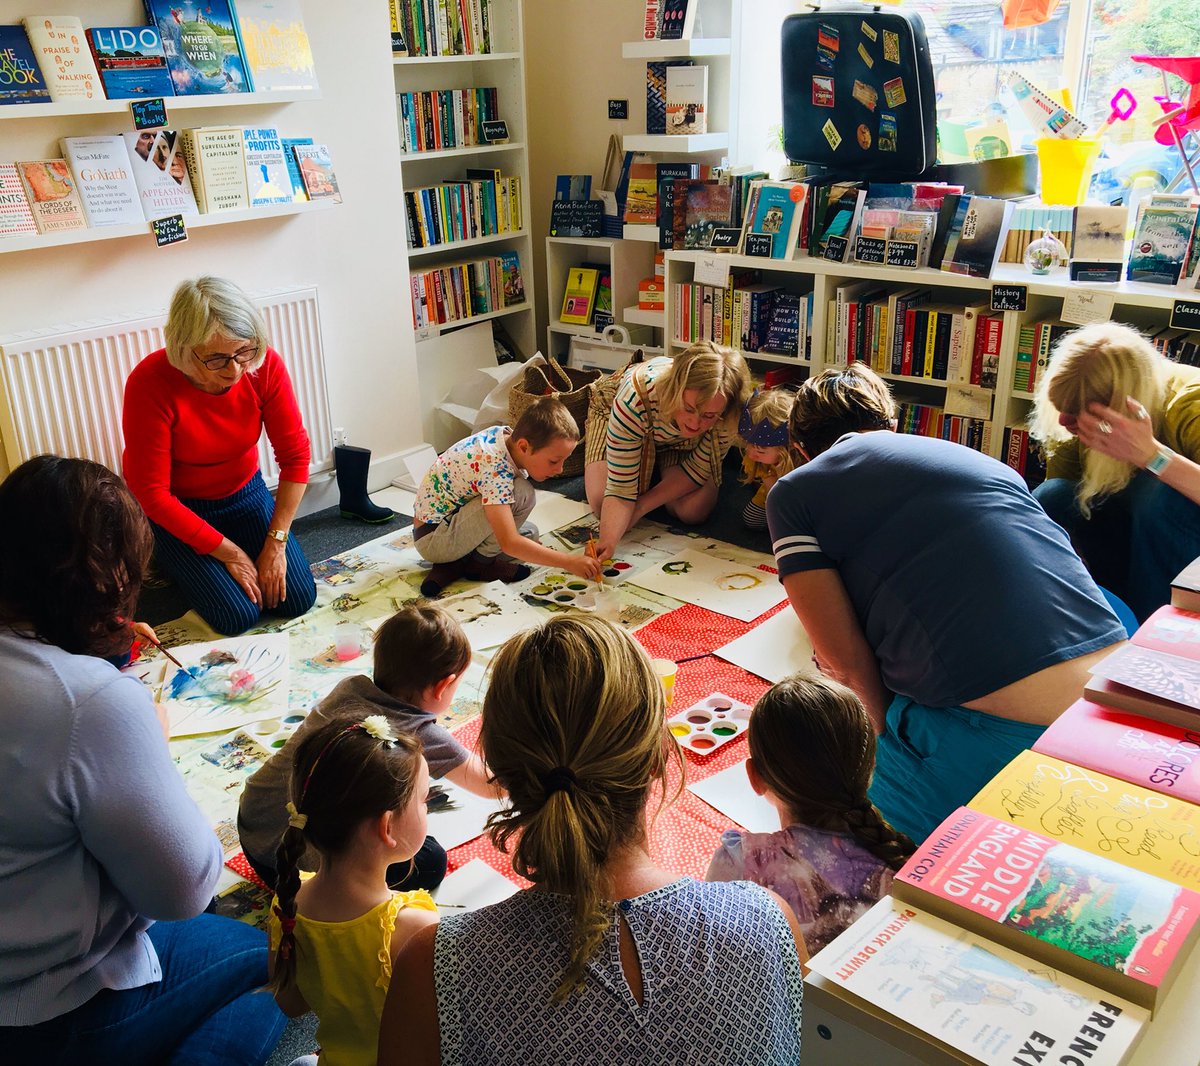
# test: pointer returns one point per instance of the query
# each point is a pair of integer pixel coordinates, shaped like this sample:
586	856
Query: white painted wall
353	254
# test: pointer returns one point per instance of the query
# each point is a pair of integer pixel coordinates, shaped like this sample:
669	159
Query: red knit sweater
184	443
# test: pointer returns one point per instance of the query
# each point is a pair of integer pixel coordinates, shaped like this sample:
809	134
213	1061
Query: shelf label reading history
495	131
759	245
1185	314
725	238
149	114
1009	297
902	253
618	109
870	249
169	230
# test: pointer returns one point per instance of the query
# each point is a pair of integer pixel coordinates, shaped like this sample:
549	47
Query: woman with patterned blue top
608	958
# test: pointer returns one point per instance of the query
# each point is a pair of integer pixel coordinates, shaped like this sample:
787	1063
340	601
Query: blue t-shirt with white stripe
961	582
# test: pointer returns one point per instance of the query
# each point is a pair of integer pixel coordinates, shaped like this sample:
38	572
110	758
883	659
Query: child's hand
584	566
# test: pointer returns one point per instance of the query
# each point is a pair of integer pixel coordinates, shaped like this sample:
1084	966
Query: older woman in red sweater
193	414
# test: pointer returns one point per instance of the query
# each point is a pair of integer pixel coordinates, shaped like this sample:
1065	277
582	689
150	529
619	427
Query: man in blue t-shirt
932	583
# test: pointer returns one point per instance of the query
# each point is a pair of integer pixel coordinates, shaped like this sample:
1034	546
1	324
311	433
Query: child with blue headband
767	453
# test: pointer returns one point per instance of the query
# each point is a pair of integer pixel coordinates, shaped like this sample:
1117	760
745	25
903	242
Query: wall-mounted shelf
651	50
425	333
173	103
480	57
677	143
640	317
468	150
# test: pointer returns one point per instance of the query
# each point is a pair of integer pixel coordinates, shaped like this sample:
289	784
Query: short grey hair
205	305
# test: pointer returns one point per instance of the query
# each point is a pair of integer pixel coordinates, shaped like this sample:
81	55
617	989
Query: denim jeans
206	1010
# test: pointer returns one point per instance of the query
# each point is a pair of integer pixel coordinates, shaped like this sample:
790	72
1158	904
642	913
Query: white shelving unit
173	103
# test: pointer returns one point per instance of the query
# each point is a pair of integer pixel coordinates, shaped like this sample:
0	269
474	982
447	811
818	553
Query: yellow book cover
1148	831
579	299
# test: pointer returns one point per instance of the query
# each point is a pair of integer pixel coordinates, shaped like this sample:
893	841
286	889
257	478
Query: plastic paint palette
273	733
567	590
708	725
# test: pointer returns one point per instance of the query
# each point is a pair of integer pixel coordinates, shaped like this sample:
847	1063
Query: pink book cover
1171	630
1137	749
1114	917
1163	674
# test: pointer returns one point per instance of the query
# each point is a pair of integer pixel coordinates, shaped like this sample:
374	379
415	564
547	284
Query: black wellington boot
351	465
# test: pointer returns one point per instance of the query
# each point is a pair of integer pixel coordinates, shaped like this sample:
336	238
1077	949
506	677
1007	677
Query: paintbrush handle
167	654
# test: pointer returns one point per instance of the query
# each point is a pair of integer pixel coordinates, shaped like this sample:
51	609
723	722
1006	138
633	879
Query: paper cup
666	670
347	640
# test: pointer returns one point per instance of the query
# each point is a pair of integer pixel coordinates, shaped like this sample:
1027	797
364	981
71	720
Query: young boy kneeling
476	495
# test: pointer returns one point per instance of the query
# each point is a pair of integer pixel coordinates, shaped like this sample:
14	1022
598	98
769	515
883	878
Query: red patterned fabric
241	866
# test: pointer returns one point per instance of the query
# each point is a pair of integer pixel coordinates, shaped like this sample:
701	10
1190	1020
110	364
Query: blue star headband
761	434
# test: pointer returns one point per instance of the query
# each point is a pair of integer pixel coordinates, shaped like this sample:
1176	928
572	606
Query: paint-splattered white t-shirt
479	466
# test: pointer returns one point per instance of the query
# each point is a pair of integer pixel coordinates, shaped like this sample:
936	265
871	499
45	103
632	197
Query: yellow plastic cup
1066	169
666	670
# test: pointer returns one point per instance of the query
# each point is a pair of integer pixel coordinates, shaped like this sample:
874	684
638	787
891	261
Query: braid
287	884
873	832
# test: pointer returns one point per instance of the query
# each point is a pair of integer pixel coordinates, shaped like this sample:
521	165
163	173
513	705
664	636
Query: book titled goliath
202	43
131	61
276	45
989	1003
216	162
21	79
1157	834
52	195
161	174
267	180
1122	930
16	220
105	179
62	52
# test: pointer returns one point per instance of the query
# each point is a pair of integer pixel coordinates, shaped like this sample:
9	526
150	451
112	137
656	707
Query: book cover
1171	630
161	174
62	52
641	198
16	220
299	193
513	283
104	177
777	209
316	169
267	180
1157	834
1122	930
687	99
1164	675
656	93
131	61
276	45
709	207
666	176
217	163
980	239
1160	244
1136	748
984	1000
573	187
1098	242
676	19
52	196
202	44
783	330
579	296
21	79
1185	588
651	22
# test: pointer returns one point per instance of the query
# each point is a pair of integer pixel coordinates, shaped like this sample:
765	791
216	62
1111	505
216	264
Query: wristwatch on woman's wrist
1162	458
280	535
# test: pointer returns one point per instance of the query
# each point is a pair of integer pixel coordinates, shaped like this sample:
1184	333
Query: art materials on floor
709	724
227	683
774	649
728	588
729	792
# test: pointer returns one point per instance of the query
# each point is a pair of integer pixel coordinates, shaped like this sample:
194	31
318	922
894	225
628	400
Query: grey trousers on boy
468	529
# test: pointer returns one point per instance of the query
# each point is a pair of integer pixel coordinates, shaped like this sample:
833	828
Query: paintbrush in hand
591	550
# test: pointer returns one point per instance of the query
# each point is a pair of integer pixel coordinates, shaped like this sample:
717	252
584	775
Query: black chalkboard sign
725	238
1009	297
495	131
835	248
901	254
618	109
149	114
576	218
759	245
870	249
1185	314
169	230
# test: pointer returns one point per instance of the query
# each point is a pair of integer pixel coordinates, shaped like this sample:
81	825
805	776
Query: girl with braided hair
812	753
608	957
358	797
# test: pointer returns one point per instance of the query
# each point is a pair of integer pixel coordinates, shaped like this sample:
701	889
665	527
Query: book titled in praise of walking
131	61
62	52
992	1004
202	43
1122	930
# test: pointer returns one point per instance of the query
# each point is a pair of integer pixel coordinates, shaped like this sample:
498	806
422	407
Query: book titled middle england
1120	929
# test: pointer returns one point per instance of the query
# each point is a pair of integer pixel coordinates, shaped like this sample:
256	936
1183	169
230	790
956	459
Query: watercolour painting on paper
227	683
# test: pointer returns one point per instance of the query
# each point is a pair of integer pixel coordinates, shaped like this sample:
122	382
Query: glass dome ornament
1044	253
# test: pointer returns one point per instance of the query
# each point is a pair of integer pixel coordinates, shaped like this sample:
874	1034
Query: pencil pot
571	386
1066	168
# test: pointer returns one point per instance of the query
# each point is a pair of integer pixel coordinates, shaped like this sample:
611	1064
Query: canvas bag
571	386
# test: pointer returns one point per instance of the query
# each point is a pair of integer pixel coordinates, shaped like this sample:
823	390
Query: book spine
931	325
191	156
1023	371
941	345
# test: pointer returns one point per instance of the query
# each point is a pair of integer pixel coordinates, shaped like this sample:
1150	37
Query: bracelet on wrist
1160	461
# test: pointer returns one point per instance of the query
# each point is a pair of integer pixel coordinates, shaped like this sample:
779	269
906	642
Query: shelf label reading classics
712	270
149	114
870	249
725	238
618	109
902	253
759	245
169	230
495	131
1185	314
1009	297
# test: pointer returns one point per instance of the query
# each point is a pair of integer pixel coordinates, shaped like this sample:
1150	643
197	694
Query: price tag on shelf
169	230
759	245
149	114
1009	297
1185	314
1085	307
712	270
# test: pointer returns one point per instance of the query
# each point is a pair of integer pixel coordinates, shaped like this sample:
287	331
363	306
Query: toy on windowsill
1045	253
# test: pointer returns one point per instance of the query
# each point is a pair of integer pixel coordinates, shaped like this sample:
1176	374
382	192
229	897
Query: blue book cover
1160	244
20	77
203	46
299	194
773	214
131	61
783	333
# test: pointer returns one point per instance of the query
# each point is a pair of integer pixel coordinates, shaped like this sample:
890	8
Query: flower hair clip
379	727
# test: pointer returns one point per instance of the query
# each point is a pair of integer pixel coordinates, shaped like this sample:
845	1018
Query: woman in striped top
677	415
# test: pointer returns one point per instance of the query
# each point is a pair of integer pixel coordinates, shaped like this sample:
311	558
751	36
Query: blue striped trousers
208	587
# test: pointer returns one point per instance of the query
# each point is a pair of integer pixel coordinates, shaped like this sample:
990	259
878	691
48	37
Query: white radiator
62	390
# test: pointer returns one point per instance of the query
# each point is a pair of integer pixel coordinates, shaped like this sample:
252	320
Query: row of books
748	314
901	332
442	27
1053	913
457	292
186	49
485	203
926	420
143	175
445	118
1025	455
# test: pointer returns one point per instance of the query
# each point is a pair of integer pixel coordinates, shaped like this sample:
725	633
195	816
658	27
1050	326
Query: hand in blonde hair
1128	438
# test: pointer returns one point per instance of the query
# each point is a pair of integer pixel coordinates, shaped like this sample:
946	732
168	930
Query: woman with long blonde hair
1121	424
608	957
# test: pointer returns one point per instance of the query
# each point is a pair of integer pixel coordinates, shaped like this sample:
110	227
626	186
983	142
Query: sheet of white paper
773	650
553	510
1084	308
730	793
228	683
736	590
491	613
465	822
472	886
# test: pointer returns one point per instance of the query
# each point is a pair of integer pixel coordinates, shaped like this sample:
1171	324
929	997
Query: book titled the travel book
276	45
52	195
579	296
1122	930
1098	243
62	52
21	79
267	180
1161	241
202	43
1066	801
1134	747
316	170
775	208
131	61
980	239
987	1002
687	99
16	220
160	171
105	179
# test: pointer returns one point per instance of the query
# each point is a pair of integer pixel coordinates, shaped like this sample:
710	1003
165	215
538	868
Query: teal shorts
931	760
